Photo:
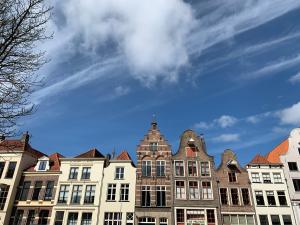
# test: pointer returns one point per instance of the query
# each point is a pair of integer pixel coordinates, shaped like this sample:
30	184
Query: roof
123	156
274	155
54	163
259	159
93	153
19	145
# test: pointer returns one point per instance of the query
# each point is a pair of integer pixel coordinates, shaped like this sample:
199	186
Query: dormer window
42	165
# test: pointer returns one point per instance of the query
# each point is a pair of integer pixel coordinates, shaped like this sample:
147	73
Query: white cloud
223	121
117	92
227	138
202	125
254	119
295	78
290	115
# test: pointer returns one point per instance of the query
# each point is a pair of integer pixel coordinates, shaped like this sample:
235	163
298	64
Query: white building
118	192
288	153
270	192
79	188
15	156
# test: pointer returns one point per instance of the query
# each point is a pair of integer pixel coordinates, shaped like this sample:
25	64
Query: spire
153	123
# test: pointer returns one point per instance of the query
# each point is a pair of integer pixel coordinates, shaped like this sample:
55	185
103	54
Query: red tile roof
93	153
54	163
274	155
259	159
123	156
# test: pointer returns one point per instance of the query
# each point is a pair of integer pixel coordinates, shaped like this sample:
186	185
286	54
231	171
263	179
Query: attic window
42	165
153	146
191	142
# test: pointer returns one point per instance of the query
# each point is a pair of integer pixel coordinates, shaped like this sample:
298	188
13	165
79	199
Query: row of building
163	188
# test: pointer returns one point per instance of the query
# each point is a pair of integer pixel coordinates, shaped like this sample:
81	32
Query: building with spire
153	192
195	184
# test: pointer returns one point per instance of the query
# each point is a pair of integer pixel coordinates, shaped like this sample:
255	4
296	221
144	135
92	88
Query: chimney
2	137
25	137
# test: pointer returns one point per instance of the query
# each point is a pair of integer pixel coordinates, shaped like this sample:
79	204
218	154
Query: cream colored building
118	192
77	200
15	156
270	192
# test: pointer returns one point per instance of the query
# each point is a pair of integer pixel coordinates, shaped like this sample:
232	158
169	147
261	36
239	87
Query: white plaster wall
109	178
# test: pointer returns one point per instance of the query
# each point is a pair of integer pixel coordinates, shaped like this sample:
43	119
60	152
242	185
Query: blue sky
227	69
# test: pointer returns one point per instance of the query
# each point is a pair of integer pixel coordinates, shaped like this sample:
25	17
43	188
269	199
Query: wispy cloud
295	79
117	92
223	121
227	138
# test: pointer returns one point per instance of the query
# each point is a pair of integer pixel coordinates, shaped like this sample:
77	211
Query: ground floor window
195	217
129	218
86	219
112	218
146	221
241	219
43	217
72	218
163	221
59	218
287	220
263	220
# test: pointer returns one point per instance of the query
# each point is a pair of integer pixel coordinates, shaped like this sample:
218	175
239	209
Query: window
146	196
275	219
271	198
89	194
3	195
277	178
129	218
287	220
2	165
49	190
223	195
59	218
18	217
160	196
250	219
180	189
11	170
73	173
281	198
196	214
72	218
42	165
206	190
146	168
180	215
24	191
76	194
193	190
30	217
266	178
210	216
153	146
263	220
63	194
259	198
293	166
124	192
245	196
119	173
296	183
86	219
226	219
37	190
192	168
234	196
111	192
146	221
255	178
205	169
179	168
112	218
232	177
86	173
43	217
163	221
160	168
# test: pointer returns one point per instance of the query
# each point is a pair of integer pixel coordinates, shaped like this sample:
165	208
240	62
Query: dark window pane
11	170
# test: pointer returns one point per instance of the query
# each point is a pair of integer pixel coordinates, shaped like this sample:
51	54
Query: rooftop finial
154	123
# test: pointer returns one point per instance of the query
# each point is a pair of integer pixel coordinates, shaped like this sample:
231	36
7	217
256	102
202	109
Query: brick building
36	192
153	199
236	203
196	198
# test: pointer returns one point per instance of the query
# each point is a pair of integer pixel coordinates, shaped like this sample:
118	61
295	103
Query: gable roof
54	163
123	156
259	159
274	155
93	153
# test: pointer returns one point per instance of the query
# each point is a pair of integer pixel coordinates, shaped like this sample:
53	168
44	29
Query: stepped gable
93	153
229	159
281	149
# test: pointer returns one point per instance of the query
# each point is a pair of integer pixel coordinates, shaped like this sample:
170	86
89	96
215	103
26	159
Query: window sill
124	201
110	200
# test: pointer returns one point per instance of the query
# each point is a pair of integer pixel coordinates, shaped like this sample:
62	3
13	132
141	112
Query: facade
16	156
153	198
35	197
288	153
270	191
79	186
196	198
236	203
118	191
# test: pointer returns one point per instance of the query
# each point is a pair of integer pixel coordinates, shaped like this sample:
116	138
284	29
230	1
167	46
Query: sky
229	70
